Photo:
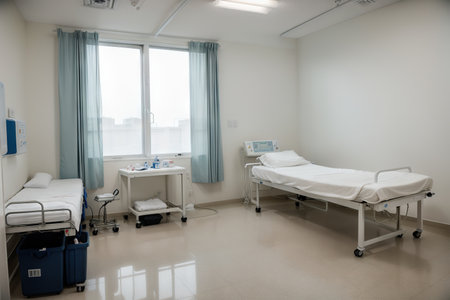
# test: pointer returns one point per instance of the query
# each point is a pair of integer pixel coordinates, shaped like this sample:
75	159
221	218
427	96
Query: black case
150	219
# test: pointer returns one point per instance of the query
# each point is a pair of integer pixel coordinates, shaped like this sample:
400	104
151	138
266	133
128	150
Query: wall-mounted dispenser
15	132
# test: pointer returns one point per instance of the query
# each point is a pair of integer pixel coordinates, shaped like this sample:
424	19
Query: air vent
99	3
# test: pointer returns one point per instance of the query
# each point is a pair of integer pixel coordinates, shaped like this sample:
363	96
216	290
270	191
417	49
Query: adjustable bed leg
398	221
418	232
258	208
361	229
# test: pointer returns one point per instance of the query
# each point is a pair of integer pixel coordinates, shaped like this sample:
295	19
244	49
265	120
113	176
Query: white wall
12	74
257	90
42	99
374	94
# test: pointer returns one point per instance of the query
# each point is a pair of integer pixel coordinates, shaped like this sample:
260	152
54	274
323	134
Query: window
169	101
122	73
121	88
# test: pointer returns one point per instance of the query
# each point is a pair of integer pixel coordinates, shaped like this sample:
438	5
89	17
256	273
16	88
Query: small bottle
156	162
146	165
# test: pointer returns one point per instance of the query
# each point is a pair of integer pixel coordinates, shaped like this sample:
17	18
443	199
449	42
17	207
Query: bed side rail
249	166
42	211
390	170
252	165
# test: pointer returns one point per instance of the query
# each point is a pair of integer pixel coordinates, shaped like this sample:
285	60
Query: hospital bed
56	207
359	190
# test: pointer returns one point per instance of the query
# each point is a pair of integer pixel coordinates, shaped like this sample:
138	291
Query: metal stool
104	222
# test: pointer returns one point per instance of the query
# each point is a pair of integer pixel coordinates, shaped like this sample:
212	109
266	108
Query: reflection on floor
283	253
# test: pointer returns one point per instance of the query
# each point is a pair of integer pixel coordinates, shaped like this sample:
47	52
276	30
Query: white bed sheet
61	193
346	184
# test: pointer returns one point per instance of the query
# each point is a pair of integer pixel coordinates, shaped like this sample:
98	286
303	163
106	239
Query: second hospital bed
56	207
350	188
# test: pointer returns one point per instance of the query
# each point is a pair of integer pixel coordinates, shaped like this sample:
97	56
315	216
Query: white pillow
40	180
282	159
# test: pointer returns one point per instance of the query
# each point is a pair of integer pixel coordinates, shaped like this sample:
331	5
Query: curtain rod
130	33
102	30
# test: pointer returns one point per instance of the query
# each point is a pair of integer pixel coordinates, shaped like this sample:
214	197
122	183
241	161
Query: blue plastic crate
76	260
41	263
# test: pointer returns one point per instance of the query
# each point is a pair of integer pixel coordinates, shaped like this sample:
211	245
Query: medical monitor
258	148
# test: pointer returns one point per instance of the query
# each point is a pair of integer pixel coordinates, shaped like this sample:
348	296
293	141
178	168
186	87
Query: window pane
120	78
169	101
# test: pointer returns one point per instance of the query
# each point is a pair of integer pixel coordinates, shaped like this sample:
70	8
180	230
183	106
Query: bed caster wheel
95	232
183	219
138	225
168	214
297	204
91	225
116	229
358	253
417	234
80	289
125	217
258	209
400	236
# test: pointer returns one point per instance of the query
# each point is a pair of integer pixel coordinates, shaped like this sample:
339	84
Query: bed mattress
346	184
60	194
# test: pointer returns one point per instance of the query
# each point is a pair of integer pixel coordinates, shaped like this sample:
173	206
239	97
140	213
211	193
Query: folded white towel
150	204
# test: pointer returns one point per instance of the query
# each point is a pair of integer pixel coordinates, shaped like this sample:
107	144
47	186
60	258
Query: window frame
173	154
145	99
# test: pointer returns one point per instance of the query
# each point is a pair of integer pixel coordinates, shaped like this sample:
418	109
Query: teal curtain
81	149
206	141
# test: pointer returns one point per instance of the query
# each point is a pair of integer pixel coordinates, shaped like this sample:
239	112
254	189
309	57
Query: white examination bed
350	188
59	206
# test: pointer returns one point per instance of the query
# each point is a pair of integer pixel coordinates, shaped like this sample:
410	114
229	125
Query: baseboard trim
428	222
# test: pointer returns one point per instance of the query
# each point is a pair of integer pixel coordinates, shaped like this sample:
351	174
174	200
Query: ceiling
198	19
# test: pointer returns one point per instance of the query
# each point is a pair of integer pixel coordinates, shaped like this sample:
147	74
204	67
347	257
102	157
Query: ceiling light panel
265	3
256	6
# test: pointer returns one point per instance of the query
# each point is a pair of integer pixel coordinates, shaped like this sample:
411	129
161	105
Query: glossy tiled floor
282	253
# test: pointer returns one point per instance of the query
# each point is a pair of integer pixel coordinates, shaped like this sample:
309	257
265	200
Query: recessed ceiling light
256	6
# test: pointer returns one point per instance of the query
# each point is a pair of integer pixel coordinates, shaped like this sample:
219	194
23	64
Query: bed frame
359	206
67	225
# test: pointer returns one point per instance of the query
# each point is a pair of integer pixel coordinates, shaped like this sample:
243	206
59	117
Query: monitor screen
263	146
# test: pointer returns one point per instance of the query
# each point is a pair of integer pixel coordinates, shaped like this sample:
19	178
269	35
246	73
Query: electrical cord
384	212
215	212
389	215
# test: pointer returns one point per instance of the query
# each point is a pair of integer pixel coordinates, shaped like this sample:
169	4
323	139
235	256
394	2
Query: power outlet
11	113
